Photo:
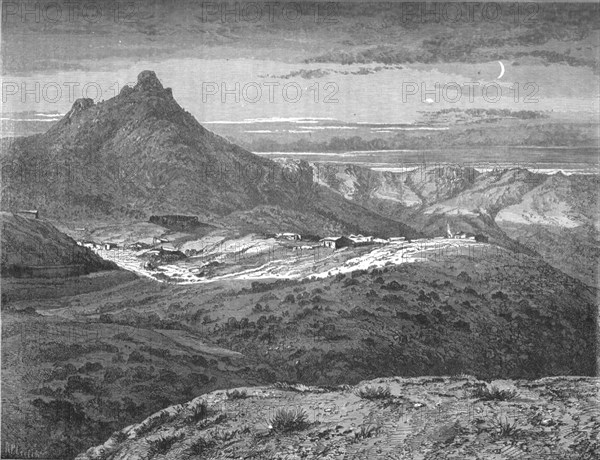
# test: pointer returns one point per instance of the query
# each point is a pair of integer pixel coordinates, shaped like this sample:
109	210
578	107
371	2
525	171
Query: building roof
169	248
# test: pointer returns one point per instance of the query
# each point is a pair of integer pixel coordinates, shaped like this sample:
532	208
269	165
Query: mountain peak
148	81
79	106
83	103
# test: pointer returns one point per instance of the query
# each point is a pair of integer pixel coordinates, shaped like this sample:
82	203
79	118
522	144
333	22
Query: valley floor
258	261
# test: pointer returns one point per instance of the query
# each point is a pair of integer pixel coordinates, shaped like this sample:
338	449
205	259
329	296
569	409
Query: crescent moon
501	70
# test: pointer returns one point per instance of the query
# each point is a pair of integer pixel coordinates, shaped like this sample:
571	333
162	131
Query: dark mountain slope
140	153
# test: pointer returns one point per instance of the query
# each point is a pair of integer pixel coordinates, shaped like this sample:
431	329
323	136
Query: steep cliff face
33	247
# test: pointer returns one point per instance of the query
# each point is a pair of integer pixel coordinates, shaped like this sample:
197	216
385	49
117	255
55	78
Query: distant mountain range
553	215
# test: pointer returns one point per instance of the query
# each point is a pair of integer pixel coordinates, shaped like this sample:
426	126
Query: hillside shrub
392	286
499	295
136	357
112	374
90	367
78	384
351	282
464	277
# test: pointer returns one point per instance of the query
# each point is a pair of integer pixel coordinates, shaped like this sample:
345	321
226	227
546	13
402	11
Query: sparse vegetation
237	434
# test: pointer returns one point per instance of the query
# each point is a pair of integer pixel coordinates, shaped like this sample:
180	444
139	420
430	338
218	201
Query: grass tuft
369	392
119	436
493	393
163	444
223	435
237	394
286	420
201	445
284	386
505	428
159	420
366	431
199	412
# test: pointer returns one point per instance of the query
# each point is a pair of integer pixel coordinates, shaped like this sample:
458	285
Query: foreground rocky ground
390	418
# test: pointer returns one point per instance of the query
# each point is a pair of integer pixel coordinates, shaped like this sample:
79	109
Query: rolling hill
85	365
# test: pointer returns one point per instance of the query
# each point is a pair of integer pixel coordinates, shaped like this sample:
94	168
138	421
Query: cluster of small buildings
338	242
158	245
163	247
288	236
32	213
98	246
458	235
